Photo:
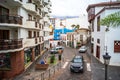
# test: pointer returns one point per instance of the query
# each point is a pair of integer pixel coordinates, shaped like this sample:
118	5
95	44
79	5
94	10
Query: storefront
37	50
11	64
5	61
27	55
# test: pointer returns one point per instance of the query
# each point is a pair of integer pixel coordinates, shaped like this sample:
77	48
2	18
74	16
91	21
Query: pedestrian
42	61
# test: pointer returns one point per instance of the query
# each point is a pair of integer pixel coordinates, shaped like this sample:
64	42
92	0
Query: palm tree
73	25
111	20
77	26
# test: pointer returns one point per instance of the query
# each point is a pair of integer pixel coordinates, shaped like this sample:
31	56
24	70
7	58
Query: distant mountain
64	17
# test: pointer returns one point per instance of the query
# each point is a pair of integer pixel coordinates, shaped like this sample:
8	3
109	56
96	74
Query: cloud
71	7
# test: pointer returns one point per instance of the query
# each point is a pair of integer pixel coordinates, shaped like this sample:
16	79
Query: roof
103	4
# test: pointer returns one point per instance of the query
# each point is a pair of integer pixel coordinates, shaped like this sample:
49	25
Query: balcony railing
11	19
10	44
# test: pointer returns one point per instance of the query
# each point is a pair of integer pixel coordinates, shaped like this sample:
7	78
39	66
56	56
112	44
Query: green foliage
78	42
75	26
111	20
52	59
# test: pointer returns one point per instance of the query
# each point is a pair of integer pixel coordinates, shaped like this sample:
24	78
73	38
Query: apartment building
23	28
103	39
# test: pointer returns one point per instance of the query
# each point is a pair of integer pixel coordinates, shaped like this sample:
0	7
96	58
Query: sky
71	7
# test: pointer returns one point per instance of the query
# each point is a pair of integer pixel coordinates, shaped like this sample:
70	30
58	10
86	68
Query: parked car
82	49
77	64
60	48
54	50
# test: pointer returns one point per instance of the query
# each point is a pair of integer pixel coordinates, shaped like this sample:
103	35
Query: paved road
65	73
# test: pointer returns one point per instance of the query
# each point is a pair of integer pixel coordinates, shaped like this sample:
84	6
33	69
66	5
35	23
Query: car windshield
77	60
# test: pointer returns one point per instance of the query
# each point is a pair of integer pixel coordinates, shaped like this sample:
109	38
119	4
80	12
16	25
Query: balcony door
4	34
4	11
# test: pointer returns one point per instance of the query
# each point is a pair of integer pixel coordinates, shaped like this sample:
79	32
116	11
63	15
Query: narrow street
65	73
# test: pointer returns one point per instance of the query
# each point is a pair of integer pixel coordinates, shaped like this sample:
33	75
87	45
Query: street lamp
106	58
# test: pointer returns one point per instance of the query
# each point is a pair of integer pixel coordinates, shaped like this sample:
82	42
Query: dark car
77	64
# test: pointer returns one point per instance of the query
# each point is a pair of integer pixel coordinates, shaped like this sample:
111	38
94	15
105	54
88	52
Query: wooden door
98	52
4	34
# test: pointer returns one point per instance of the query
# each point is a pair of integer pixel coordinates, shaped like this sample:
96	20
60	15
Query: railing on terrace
48	74
11	19
10	44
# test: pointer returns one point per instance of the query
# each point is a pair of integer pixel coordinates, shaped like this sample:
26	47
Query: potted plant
52	59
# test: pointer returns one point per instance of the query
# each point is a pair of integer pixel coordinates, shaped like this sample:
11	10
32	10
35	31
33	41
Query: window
4	11
92	39
5	61
34	34
28	55
98	23
4	34
116	46
29	1
37	34
98	40
36	7
93	26
29	34
29	17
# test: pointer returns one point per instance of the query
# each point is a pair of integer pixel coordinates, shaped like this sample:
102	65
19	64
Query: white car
60	48
82	49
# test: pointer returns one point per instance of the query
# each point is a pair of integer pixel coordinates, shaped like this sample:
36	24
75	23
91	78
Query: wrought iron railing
11	19
10	44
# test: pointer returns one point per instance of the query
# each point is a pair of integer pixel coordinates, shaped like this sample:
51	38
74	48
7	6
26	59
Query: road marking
88	67
64	66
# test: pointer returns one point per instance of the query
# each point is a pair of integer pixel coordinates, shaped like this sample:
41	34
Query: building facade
78	38
22	24
103	39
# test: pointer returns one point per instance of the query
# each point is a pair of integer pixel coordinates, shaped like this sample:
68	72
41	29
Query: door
98	52
4	34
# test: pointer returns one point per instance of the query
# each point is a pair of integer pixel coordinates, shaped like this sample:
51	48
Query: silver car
82	49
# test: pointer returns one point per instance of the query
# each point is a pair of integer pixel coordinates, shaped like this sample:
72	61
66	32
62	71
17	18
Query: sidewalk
98	70
32	74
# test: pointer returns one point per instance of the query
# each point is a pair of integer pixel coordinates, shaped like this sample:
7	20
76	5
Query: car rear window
77	60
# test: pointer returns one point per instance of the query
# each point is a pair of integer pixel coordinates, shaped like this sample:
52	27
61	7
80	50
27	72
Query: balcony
45	2
32	25
46	19
30	7
11	19
45	9
91	14
10	44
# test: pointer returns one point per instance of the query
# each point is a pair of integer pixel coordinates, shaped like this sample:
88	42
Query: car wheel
82	71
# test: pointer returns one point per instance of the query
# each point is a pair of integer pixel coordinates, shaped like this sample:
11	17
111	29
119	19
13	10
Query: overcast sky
71	7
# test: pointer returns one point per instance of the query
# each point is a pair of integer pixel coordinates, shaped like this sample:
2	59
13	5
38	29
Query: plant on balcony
78	44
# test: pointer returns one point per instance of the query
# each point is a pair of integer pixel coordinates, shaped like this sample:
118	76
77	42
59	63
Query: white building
81	20
101	40
24	29
78	38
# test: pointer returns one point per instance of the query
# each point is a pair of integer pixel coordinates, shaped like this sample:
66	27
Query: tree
73	25
77	26
111	20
